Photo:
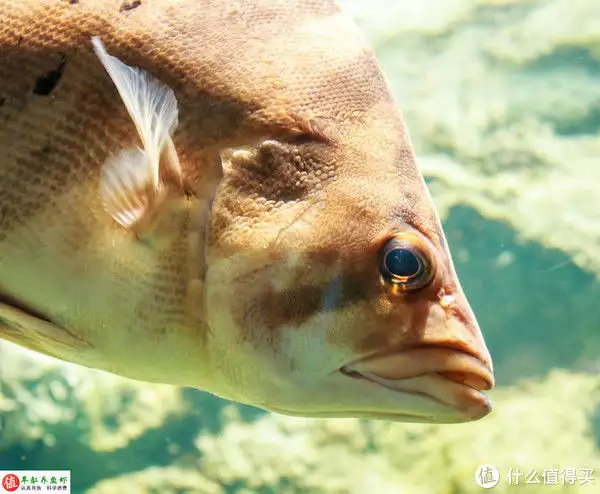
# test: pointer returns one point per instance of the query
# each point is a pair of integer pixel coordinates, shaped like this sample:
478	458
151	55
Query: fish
223	195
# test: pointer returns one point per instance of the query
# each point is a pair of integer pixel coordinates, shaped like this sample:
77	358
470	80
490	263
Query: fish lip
466	360
479	405
448	376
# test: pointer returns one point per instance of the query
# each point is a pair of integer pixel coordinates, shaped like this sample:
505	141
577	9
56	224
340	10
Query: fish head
331	291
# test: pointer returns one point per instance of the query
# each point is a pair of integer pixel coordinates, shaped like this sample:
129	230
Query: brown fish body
260	283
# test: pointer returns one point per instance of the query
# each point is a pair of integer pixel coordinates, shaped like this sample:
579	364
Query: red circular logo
11	482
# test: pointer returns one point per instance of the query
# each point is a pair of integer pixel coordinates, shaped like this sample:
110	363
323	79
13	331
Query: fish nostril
470	379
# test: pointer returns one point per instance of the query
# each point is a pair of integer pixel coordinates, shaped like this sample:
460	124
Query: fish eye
406	263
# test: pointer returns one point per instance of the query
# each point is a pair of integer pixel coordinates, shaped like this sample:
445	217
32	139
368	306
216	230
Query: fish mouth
452	378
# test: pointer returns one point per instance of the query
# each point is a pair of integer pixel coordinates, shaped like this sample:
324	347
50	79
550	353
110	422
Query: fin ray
124	186
151	104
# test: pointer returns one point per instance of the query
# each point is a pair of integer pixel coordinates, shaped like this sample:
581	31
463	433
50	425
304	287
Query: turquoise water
502	99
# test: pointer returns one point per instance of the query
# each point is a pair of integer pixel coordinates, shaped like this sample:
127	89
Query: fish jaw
442	379
430	398
421	395
451	377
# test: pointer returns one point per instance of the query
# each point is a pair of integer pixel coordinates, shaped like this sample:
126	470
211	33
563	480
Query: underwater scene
502	103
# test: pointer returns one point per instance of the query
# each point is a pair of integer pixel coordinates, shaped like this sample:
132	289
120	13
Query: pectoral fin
125	186
135	183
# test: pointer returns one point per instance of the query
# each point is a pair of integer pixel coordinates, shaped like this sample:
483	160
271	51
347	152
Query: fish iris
406	263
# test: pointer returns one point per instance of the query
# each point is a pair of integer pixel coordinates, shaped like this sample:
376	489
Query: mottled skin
260	283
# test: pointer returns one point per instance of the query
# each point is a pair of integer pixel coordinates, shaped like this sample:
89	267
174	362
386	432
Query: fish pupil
402	263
